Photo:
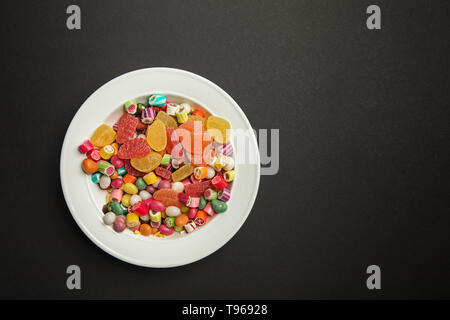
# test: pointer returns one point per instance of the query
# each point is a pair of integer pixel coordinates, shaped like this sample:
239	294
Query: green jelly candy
202	203
140	183
116	208
219	206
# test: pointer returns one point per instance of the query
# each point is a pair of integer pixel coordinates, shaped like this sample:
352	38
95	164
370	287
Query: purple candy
226	149
148	115
224	195
150	189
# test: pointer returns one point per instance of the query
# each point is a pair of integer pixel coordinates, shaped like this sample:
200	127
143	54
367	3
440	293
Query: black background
364	132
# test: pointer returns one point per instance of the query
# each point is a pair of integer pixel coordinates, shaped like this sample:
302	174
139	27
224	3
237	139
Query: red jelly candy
126	126
197	189
134	148
163	172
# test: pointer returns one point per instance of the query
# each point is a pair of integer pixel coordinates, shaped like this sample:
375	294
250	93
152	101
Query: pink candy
117	162
209	209
94	154
192	213
165	230
194	202
164	184
156	205
116	194
119	224
86	146
117	183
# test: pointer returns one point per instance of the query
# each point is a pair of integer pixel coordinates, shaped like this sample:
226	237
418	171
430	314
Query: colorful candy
86	147
157	100
166	167
130	106
105	167
148	115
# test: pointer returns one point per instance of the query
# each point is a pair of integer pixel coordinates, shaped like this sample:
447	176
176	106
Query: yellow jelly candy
184	172
219	129
156	136
169	121
103	136
148	163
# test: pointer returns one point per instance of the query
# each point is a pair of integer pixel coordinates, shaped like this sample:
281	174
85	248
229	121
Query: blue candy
157	100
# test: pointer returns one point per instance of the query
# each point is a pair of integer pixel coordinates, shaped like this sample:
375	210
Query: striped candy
224	194
226	149
148	115
157	100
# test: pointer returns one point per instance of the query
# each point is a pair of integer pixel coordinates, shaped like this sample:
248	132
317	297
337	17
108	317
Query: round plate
85	199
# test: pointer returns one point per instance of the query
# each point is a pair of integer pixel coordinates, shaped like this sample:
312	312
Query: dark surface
364	139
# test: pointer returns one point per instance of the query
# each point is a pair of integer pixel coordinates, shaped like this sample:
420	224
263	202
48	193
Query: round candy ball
145	229
164	184
105	182
119	224
109	218
173	211
178	186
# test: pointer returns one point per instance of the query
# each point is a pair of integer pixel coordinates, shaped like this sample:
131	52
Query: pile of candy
166	167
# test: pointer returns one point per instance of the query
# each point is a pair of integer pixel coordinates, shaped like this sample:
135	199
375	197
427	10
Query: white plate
85	199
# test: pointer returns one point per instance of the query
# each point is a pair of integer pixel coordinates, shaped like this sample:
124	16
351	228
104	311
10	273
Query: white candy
109	218
145	195
142	136
229	164
178	186
173	211
189	227
105	181
185	107
135	199
175	163
145	218
211	172
172	109
155	185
